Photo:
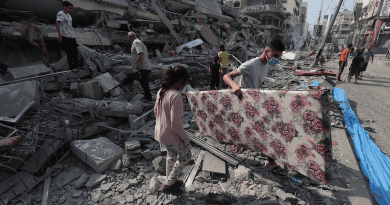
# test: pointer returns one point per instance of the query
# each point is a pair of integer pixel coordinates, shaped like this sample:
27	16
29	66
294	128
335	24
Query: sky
329	6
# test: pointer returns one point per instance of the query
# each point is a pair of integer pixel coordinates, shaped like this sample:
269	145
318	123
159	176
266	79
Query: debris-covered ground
86	135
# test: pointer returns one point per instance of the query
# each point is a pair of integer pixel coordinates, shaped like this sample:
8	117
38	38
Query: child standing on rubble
215	70
169	128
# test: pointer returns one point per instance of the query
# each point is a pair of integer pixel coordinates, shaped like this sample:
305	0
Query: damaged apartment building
371	25
276	18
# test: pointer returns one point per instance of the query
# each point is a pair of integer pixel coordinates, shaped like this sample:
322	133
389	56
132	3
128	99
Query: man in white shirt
251	75
140	58
66	34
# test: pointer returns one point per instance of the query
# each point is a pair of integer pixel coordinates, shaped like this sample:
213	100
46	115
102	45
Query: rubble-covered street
85	135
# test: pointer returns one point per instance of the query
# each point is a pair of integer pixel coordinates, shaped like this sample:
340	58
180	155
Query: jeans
69	45
222	83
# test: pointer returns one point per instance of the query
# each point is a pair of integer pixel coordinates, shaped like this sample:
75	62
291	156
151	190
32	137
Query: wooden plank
195	169
46	189
166	21
212	163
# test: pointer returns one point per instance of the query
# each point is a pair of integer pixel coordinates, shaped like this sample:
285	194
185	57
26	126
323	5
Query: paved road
370	98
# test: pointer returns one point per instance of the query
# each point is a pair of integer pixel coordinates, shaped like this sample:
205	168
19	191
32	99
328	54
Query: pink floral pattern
292	127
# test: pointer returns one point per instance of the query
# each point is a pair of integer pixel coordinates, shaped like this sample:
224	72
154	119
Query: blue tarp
374	164
316	83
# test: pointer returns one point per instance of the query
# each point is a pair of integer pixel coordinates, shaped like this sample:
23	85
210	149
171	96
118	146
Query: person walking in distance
251	75
367	54
66	35
355	67
343	61
169	128
215	70
223	59
139	55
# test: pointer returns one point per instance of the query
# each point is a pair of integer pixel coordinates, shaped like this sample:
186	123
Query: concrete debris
80	182
37	68
116	165
242	174
212	163
98	153
95	180
159	164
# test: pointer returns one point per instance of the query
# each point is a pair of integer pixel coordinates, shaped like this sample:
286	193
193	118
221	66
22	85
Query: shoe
173	190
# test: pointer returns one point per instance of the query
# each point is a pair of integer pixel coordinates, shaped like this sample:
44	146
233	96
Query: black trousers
214	84
354	71
144	81
341	69
69	45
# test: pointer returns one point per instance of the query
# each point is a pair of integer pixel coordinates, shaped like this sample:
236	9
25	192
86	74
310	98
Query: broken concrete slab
34	69
122	109
16	99
95	195
212	163
135	125
190	44
106	82
90	90
80	182
159	164
97	153
95	180
132	145
107	186
116	165
210	37
47	148
68	176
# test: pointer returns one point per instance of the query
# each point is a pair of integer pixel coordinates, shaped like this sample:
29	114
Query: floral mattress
292	127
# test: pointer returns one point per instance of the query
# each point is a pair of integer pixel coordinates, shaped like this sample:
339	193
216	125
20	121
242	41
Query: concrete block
37	68
106	82
121	76
116	165
97	153
132	145
212	163
134	152
95	180
105	187
90	90
15	98
74	89
80	182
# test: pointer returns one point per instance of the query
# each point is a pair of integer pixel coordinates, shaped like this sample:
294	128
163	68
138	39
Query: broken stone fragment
147	154
125	184
98	153
116	165
80	182
107	186
95	180
126	160
132	145
159	164
243	174
77	194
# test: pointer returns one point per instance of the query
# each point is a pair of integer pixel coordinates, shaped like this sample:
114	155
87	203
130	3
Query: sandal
277	171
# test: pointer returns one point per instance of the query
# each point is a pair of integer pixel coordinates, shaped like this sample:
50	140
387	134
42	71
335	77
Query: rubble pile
97	112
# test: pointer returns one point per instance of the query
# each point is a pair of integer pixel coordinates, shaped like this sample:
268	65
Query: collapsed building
50	111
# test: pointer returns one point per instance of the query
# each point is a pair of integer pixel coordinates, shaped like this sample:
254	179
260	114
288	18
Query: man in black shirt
355	67
215	70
